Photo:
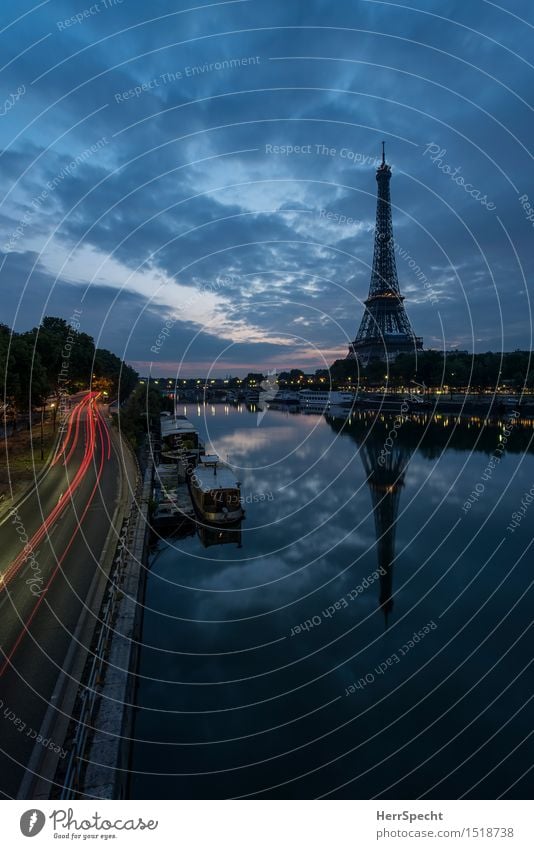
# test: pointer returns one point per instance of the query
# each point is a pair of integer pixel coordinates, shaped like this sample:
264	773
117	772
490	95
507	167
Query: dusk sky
184	200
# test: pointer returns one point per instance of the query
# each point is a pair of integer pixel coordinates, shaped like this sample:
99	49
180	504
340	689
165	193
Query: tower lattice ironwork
385	330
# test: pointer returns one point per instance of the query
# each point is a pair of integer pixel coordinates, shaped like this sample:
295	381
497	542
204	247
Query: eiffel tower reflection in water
385	468
385	478
428	433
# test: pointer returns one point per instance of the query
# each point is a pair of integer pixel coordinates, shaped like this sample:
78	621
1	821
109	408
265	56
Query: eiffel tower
385	330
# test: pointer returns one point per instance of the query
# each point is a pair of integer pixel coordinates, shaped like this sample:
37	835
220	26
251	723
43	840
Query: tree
253	378
56	358
343	369
376	372
66	354
123	377
457	370
27	380
140	411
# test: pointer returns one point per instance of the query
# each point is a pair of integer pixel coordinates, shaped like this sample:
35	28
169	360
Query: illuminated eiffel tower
385	330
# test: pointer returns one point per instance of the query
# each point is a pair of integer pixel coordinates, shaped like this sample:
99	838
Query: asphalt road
49	551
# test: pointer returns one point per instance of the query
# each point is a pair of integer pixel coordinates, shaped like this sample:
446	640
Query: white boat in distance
325	399
215	491
285	396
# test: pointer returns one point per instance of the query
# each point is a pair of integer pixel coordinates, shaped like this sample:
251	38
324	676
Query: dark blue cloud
154	151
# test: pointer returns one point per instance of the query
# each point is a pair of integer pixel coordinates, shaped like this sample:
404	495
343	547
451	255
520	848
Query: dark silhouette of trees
53	359
140	413
122	378
472	372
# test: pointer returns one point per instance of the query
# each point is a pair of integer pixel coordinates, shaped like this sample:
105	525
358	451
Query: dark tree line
55	359
141	413
454	369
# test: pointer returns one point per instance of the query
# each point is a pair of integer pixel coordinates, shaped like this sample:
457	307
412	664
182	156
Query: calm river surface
281	662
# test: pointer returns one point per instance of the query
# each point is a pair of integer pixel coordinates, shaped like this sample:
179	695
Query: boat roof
207	480
210	458
176	424
323	392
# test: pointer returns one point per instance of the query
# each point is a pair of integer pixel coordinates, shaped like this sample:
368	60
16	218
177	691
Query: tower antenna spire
383	153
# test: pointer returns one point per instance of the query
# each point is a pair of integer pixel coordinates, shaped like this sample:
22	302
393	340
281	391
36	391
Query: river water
367	633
